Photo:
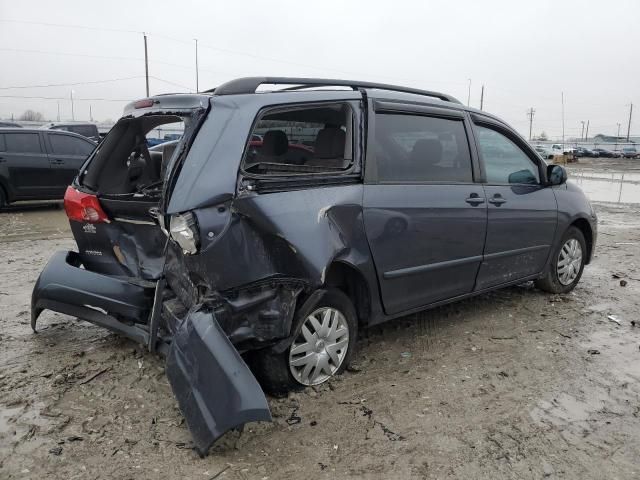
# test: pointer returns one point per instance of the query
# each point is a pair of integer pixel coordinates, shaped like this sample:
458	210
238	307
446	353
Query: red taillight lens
83	207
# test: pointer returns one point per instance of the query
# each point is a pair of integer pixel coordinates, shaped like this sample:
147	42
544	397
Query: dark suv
284	221
39	164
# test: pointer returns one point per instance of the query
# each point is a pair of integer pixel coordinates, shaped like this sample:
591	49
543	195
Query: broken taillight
83	207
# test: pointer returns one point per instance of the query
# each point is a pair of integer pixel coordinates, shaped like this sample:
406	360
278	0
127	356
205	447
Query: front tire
325	330
567	263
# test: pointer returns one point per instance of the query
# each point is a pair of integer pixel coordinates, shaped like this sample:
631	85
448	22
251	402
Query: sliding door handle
475	199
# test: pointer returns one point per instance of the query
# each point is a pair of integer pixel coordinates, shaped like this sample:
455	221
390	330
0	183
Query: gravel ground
512	384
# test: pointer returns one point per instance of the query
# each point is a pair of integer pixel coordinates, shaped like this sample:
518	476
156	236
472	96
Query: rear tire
566	265
279	373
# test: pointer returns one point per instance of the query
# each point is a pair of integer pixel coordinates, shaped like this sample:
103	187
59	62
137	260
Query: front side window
414	148
22	143
504	161
67	145
301	140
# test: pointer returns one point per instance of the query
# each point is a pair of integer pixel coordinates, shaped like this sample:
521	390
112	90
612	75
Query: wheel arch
583	225
352	282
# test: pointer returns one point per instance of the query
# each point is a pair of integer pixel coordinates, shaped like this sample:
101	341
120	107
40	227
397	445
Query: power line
67	98
92	82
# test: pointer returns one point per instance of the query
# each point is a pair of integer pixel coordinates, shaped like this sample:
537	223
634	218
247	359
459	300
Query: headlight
184	231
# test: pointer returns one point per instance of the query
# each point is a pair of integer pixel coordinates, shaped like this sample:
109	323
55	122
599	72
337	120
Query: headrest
329	143
275	142
427	151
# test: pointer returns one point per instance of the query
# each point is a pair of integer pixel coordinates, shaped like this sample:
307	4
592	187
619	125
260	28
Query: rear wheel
566	265
325	331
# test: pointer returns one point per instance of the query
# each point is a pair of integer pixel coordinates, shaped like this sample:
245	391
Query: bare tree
32	116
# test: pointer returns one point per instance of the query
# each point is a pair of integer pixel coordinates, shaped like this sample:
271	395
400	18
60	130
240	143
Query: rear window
68	145
84	130
301	140
22	142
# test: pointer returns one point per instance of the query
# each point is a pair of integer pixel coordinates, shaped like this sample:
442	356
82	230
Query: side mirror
556	174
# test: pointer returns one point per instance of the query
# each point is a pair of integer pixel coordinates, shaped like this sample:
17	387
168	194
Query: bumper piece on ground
215	389
66	288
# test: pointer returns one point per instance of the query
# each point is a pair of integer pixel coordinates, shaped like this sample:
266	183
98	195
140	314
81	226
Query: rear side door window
504	161
311	139
421	149
3	148
23	143
68	145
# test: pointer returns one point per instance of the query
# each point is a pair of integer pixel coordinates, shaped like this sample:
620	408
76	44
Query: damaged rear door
128	181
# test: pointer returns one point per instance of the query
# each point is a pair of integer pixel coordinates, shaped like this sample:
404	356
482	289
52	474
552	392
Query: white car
559	150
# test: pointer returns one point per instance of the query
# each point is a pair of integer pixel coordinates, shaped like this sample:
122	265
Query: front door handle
57	161
497	200
475	199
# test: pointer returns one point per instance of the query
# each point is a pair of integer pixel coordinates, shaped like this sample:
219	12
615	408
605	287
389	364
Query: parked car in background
88	130
4	124
39	164
603	152
584	152
629	152
544	152
558	149
277	253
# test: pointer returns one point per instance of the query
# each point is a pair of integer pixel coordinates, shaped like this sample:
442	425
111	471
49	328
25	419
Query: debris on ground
614	319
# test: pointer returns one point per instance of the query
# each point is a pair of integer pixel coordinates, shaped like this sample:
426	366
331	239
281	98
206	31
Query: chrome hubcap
569	261
320	348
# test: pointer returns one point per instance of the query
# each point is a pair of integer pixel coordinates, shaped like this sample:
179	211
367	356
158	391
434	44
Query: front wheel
567	264
324	338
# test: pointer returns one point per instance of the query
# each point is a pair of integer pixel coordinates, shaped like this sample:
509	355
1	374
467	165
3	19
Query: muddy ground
513	384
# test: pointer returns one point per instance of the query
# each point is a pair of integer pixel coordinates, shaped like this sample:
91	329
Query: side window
504	161
2	146
68	145
414	148
301	140
22	142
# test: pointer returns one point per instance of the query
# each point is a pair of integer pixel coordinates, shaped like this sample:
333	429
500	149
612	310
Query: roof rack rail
251	84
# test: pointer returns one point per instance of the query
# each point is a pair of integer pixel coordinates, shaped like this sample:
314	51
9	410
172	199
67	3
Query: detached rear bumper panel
65	287
215	389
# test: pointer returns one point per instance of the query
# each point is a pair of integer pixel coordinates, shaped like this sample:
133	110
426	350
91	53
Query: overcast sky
525	53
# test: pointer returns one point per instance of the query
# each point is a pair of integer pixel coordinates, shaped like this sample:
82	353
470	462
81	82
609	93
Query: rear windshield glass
127	160
301	140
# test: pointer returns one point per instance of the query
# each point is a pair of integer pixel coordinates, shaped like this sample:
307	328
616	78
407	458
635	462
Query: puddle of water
610	188
33	222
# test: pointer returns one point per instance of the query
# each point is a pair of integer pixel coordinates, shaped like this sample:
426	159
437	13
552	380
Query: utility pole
582	132
482	97
629	126
563	120
530	113
90	114
586	137
617	136
146	62
469	94
73	117
58	110
197	85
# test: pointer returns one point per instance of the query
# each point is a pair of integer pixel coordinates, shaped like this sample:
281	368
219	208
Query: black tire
550	282
272	369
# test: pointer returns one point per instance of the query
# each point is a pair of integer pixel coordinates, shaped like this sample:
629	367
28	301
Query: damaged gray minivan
285	219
